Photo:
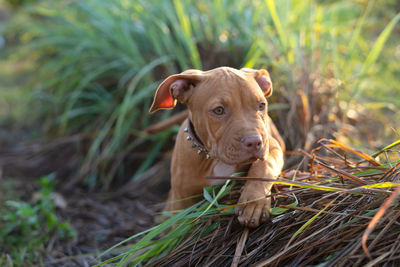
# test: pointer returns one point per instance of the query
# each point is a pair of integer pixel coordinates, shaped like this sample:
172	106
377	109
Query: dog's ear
175	87
262	78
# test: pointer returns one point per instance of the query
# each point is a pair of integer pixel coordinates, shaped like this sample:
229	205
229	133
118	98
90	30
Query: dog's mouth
242	158
251	159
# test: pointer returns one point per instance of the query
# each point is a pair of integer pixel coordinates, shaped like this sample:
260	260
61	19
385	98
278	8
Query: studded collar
195	140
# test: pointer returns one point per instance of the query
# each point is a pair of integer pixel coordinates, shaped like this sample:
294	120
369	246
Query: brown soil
100	219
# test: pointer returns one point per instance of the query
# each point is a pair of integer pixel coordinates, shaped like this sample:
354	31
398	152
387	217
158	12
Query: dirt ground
100	219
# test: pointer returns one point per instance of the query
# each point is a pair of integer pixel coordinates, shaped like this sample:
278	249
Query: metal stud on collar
194	144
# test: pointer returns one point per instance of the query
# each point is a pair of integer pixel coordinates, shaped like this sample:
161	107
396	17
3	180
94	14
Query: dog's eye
261	106
219	110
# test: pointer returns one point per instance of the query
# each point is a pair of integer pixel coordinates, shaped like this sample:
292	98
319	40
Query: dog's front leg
257	210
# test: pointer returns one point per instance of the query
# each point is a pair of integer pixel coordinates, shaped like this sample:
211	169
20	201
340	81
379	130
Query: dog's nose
252	143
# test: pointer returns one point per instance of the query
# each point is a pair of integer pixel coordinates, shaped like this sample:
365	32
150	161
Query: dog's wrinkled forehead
226	81
225	75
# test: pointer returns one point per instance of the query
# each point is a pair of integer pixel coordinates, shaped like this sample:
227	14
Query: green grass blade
222	191
308	223
375	52
189	38
380	185
277	22
379	44
396	143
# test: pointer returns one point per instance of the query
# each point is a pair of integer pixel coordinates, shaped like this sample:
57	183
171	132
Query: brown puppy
228	130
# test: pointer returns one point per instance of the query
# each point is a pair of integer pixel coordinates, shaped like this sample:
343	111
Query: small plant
25	228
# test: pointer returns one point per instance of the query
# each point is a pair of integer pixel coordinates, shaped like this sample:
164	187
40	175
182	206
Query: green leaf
278	210
207	195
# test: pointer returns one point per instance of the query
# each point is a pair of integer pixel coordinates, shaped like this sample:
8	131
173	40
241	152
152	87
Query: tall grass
98	63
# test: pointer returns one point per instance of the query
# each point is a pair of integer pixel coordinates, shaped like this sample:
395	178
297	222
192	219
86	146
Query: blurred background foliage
84	72
77	79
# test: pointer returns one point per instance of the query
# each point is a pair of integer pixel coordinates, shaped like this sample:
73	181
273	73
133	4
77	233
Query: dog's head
228	109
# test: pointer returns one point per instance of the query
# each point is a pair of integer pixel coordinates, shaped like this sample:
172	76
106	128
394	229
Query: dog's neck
192	137
196	143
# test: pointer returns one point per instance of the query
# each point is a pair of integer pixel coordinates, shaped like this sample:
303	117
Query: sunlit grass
99	63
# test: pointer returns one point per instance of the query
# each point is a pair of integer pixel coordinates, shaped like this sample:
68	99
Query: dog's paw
257	210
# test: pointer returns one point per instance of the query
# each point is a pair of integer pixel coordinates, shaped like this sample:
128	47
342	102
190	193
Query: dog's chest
222	169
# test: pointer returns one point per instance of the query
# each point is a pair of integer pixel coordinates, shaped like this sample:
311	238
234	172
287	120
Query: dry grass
348	192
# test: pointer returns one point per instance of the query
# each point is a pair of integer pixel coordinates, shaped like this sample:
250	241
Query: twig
239	247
